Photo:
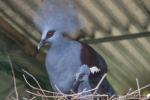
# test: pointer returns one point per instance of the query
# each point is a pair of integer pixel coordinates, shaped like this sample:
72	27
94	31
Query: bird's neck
60	42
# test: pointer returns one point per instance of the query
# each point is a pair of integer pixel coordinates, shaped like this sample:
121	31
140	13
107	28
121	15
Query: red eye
50	33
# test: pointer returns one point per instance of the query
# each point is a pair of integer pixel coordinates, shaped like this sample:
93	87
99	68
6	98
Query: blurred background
118	29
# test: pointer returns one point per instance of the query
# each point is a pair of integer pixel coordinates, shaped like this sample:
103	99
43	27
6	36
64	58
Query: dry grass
47	95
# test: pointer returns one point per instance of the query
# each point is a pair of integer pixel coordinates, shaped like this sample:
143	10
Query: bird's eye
50	33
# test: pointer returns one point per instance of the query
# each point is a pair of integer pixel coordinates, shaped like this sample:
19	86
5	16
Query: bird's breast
62	65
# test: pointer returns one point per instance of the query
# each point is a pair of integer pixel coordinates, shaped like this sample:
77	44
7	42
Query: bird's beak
40	45
38	48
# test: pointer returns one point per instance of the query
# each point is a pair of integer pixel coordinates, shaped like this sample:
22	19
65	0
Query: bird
82	80
64	60
81	84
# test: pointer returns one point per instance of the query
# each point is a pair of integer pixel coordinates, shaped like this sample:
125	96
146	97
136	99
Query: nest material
47	95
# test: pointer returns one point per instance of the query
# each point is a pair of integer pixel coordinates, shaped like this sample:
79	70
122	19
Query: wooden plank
118	38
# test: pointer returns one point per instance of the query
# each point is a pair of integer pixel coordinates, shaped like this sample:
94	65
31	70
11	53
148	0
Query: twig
65	95
42	97
61	92
129	91
39	95
24	98
15	87
111	97
13	98
28	99
8	96
62	96
96	89
80	93
36	82
38	88
138	87
32	98
50	91
74	97
132	92
91	95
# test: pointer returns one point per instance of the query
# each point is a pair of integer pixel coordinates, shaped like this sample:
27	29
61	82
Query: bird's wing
90	57
96	63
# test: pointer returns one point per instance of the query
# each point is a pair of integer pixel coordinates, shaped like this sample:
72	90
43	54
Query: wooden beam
118	38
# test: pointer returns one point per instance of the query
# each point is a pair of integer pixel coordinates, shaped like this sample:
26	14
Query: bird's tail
106	88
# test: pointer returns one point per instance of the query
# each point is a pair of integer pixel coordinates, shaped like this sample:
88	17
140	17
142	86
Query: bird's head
46	38
50	37
83	73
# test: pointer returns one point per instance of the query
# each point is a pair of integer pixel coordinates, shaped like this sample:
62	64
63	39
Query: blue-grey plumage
81	84
66	57
82	79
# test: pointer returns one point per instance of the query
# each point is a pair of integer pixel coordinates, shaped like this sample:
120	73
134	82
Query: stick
100	83
138	87
36	82
15	88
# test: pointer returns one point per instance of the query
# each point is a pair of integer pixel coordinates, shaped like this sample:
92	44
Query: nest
48	95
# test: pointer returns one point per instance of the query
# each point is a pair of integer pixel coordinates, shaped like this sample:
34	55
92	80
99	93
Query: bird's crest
59	15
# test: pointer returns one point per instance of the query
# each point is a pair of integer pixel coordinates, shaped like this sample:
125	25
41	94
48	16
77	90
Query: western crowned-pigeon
81	84
82	76
65	58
